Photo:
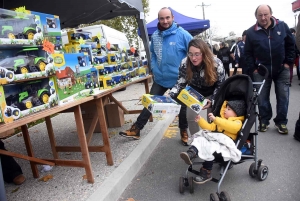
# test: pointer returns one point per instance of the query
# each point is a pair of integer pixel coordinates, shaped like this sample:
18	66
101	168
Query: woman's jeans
282	91
143	118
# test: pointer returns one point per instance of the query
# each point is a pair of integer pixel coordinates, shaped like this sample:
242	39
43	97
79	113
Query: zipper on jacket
270	53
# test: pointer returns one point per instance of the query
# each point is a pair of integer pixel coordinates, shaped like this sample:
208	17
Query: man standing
239	53
224	56
270	43
169	45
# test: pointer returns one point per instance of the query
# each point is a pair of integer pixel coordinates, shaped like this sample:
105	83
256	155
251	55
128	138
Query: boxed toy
75	77
191	98
26	63
21	99
17	27
158	105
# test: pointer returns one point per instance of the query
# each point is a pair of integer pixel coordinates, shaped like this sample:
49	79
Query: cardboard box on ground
114	115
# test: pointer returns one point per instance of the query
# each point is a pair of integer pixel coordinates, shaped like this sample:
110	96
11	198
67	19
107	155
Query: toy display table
84	140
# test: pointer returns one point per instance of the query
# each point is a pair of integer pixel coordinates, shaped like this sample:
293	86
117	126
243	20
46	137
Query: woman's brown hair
208	62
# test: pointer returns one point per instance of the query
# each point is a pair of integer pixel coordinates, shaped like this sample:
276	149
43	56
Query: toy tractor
26	100
16	28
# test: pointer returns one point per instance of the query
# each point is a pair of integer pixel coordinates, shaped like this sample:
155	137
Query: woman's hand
208	104
211	116
197	118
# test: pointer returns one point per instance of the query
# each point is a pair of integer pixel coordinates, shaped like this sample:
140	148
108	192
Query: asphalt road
159	177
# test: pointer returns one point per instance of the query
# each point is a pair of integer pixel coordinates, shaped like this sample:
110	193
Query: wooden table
84	140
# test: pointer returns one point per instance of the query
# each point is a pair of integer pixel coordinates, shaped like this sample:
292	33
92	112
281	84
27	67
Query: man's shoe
282	128
263	127
18	180
204	176
133	132
184	137
188	156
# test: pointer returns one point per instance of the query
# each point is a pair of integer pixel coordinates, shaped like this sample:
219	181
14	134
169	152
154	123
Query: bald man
169	45
271	43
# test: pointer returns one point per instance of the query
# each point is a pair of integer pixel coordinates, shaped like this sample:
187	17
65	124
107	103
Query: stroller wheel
252	170
263	172
214	197
224	196
181	181
191	184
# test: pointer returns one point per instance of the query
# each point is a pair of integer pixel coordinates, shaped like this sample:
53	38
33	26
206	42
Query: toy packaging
159	105
21	99
191	98
75	77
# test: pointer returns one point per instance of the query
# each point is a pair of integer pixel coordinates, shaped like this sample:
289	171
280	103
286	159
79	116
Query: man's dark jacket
271	47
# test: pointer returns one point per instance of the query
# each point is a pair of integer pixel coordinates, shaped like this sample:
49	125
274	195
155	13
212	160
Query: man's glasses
194	55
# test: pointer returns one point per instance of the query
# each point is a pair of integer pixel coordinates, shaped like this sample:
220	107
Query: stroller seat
235	87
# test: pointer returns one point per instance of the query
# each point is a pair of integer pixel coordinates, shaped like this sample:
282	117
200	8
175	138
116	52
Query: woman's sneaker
204	176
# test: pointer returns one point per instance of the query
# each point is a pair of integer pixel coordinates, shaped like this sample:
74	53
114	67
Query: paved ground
159	177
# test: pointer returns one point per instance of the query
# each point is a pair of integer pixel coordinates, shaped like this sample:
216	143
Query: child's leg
189	155
205	173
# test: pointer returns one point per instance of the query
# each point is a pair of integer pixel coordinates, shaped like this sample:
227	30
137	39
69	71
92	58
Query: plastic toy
14	27
24	62
100	59
81	61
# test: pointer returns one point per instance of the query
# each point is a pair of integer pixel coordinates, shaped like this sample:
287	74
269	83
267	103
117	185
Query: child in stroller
218	136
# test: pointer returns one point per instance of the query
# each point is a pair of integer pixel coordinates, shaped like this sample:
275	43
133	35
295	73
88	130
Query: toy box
17	27
24	63
159	105
191	98
21	99
48	29
75	77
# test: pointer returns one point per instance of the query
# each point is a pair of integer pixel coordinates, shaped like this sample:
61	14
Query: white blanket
208	142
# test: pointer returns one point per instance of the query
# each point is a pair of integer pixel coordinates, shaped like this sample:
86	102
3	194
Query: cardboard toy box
239	71
158	105
75	77
21	64
114	115
21	99
191	98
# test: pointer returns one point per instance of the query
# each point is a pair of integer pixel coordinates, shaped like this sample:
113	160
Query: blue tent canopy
192	25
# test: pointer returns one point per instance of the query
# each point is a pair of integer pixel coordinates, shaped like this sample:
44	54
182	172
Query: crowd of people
178	60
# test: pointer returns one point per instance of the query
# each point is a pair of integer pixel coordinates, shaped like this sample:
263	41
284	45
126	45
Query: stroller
235	87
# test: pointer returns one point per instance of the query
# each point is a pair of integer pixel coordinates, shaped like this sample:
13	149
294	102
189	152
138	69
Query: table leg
2	187
83	144
103	126
29	149
51	137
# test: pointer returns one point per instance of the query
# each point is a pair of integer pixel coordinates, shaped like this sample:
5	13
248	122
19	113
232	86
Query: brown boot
184	137
204	176
18	180
133	132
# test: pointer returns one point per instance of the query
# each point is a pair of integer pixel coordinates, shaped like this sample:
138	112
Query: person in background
297	38
169	45
201	71
276	51
239	54
224	56
12	172
216	49
296	62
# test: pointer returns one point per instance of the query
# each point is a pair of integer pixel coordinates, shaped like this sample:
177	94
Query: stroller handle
261	67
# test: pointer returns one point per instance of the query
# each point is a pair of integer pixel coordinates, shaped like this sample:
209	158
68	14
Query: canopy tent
76	12
192	25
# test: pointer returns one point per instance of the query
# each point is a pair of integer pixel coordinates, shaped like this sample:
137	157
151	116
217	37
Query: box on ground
160	104
192	98
88	111
114	115
239	71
